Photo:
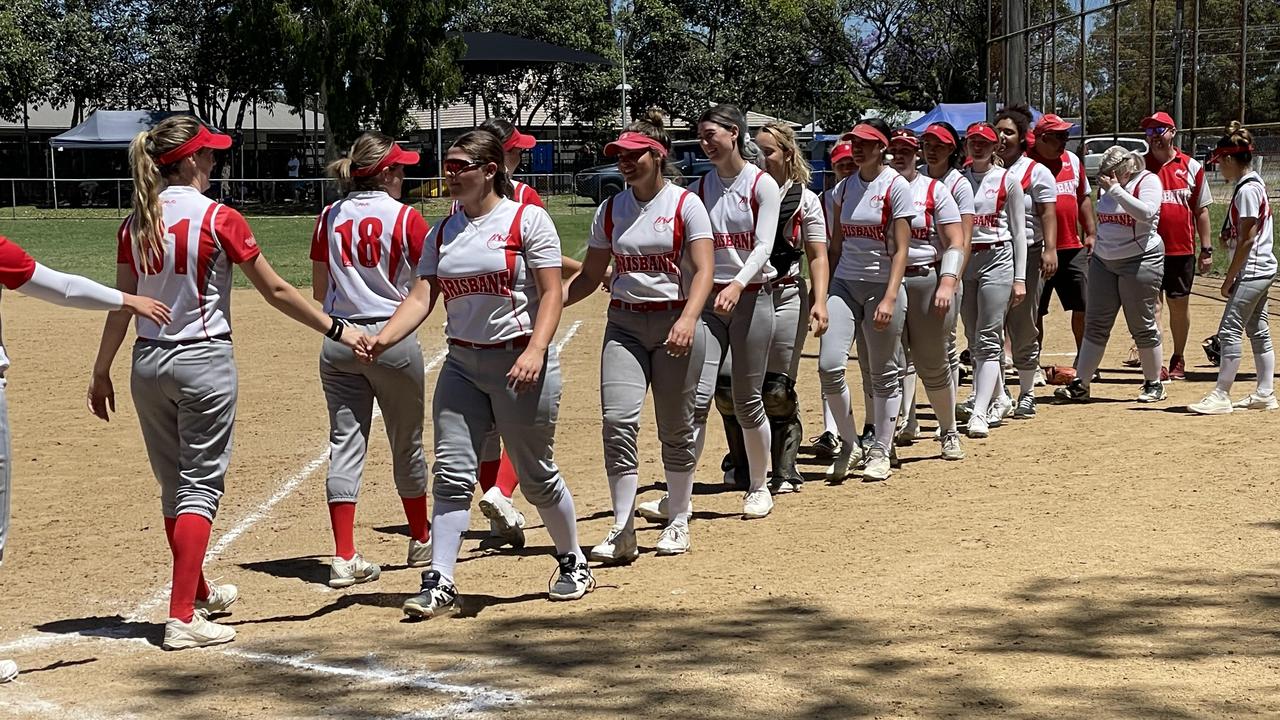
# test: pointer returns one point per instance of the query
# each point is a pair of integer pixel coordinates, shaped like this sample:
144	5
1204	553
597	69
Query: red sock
507	478
190	541
202	587
489	473
415	511
342	516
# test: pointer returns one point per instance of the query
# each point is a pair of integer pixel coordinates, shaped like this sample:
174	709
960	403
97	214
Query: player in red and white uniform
871	244
1077	226
179	247
18	271
799	303
364	251
1013	125
658	237
496	265
1249	233
935	262
943	158
826	445
742	201
1184	217
994	276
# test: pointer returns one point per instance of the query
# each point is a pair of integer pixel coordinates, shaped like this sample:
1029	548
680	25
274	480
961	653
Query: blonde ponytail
798	169
146	228
367	151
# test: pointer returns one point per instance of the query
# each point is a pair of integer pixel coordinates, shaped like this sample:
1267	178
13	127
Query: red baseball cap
395	156
519	140
842	151
1052	123
982	130
863	131
903	136
633	141
1224	150
1160	119
203	139
939	133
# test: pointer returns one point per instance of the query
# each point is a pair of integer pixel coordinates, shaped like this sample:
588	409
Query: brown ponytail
367	151
146	227
1237	137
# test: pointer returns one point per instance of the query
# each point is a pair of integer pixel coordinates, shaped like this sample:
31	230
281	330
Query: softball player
826	445
943	158
1184	215
1074	209
1125	270
497	265
363	254
872	241
179	246
742	202
658	236
994	276
802	232
1041	192
18	271
1249	232
935	261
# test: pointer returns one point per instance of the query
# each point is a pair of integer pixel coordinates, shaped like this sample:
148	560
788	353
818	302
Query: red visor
863	131
981	130
903	136
1052	123
395	156
1222	152
633	141
1159	120
519	140
203	139
939	133
841	152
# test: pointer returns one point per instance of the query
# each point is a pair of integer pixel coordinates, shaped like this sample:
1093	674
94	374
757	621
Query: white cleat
757	504
951	449
1215	403
506	521
656	510
674	540
878	467
1152	392
978	427
618	548
1256	401
200	632
220	598
850	454
419	553
1039	380
345	573
8	671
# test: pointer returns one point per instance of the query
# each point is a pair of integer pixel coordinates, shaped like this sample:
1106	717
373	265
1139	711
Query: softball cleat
1257	401
345	573
437	596
618	548
951	449
1215	403
200	632
757	504
505	521
1152	392
573	579
674	540
419	553
8	671
878	467
220	598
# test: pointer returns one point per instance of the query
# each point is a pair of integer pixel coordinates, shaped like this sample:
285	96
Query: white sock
955	377
986	375
1087	360
909	398
622	490
699	440
842	416
1026	382
1152	358
1266	363
449	521
886	416
679	494
757	440
562	525
828	420
1227	373
943	401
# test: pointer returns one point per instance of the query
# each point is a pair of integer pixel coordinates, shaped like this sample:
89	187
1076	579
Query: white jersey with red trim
485	270
648	242
1250	201
866	209
520	192
934	206
997	198
202	240
1040	188
372	243
961	191
1128	217
744	219
809	224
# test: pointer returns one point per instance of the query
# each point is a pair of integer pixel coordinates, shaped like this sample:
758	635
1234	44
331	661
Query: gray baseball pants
851	307
1246	313
790	326
1022	319
926	345
988	283
736	347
